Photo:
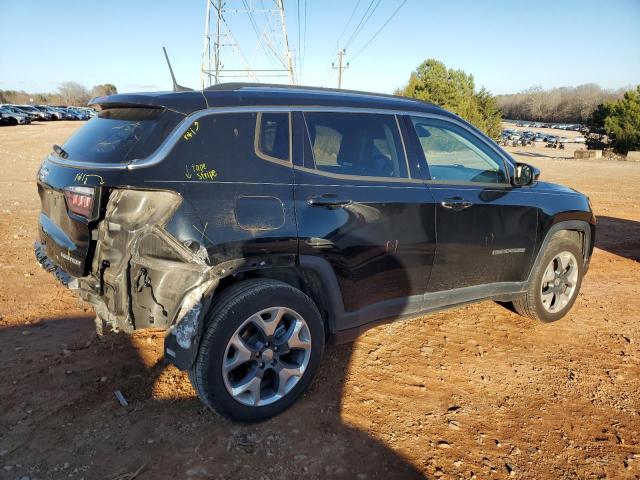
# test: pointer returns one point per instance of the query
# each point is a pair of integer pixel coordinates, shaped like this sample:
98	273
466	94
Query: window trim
256	141
167	145
500	157
407	179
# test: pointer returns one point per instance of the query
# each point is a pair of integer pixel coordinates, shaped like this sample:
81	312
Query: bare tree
73	93
564	104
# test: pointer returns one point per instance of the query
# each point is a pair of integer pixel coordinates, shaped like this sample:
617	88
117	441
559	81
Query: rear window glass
119	135
273	136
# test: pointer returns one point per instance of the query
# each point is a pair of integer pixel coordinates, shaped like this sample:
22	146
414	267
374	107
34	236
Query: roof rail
235	86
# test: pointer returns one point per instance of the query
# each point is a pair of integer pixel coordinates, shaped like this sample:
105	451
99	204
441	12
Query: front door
486	228
358	207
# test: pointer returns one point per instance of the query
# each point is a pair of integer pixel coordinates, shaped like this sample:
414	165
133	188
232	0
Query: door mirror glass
525	174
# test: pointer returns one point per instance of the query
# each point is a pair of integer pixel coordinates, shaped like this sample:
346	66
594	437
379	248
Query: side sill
356	323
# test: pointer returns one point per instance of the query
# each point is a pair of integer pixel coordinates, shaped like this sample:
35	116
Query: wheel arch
580	231
313	276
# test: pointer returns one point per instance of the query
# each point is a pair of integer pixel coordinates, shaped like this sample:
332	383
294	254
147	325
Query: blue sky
506	45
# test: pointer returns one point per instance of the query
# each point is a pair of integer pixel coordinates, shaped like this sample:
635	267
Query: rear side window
357	144
119	135
272	136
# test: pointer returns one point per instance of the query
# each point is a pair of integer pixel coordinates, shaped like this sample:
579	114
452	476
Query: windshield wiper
61	152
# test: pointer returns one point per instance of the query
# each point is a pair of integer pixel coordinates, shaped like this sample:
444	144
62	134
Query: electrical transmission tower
224	58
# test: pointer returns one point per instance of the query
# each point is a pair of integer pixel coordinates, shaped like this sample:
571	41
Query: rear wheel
260	350
555	282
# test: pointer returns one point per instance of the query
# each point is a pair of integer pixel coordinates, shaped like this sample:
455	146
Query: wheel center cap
267	355
556	282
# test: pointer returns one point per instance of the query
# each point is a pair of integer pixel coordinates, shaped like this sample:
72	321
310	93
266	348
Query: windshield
119	135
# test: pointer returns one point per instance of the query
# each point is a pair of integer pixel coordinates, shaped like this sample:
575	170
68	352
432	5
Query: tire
544	299
12	121
221	370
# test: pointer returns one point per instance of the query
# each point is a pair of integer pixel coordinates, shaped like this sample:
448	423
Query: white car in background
579	139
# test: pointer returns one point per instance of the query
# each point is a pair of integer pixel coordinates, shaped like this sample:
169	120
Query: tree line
454	90
556	105
68	93
617	123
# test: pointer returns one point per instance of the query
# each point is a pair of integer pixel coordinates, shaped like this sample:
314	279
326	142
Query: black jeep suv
255	223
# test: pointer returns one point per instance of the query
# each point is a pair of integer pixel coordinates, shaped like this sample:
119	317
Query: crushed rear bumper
45	262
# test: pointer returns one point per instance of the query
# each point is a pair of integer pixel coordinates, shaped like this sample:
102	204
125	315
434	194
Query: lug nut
275	349
261	364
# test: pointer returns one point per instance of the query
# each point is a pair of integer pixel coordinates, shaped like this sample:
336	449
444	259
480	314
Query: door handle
456	203
329	201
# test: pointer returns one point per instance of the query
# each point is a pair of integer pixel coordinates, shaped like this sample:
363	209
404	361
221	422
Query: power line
304	39
299	46
214	67
378	32
360	22
326	78
348	22
254	25
364	23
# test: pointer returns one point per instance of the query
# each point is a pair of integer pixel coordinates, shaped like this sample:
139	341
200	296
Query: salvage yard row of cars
515	138
25	114
559	126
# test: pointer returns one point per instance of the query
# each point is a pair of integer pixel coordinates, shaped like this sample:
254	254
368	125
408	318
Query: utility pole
340	66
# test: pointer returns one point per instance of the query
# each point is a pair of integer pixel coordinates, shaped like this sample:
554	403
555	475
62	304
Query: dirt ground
475	392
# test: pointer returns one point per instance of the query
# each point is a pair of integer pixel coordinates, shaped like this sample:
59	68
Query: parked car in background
4	120
19	111
580	139
34	111
54	115
14	117
78	113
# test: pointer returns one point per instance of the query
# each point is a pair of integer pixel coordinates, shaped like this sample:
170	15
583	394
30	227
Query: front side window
356	144
454	154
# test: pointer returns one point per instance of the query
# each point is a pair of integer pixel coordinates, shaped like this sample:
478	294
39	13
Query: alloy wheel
559	282
266	356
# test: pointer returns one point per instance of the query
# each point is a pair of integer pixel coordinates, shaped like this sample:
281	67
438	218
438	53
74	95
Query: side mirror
525	174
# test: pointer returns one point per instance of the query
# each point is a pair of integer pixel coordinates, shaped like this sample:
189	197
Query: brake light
80	200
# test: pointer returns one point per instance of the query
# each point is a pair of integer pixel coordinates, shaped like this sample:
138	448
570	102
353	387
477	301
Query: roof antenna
176	87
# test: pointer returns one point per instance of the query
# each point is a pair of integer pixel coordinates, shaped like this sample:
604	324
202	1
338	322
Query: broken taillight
80	200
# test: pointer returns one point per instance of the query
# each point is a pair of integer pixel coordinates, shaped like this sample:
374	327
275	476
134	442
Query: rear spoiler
181	102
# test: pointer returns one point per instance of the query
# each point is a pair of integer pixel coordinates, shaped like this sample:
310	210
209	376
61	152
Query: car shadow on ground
60	416
619	236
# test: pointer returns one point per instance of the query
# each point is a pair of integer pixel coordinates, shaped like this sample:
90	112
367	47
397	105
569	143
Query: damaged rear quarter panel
142	272
169	232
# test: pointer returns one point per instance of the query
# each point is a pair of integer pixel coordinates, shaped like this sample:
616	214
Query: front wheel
261	348
555	282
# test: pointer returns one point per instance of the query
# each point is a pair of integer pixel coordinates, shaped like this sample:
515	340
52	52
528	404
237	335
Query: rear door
359	207
486	228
